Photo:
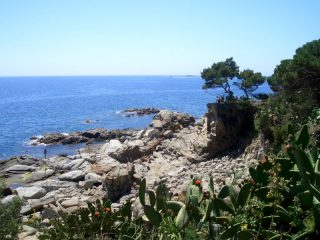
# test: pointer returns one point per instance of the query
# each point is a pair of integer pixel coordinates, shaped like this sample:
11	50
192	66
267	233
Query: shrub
10	222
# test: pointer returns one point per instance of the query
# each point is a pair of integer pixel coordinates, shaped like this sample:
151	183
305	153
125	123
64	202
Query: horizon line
105	75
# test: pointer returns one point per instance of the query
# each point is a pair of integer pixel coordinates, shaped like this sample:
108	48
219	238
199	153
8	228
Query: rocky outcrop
123	152
118	181
139	111
167	120
98	134
225	123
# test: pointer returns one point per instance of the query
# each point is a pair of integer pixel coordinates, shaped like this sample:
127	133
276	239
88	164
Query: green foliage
221	73
280	201
272	117
250	81
301	72
10	223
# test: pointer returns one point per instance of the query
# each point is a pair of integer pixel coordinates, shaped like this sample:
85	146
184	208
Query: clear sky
150	37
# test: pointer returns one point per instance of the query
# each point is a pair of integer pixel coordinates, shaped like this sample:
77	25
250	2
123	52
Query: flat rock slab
74	201
31	192
75	176
41	174
51	185
20	168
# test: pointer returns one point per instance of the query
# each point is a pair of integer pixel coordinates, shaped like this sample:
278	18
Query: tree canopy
220	73
250	81
301	72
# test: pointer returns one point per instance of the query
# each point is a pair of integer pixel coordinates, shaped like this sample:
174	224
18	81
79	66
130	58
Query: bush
10	222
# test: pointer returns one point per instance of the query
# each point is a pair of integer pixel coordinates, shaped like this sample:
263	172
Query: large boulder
123	152
31	192
118	181
167	120
75	176
20	169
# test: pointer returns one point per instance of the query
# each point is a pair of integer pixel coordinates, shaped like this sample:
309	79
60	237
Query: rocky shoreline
174	148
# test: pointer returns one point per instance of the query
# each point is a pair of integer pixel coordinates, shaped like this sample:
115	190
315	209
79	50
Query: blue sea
32	106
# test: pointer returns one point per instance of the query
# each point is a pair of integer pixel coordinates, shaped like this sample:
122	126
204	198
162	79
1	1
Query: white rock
31	192
93	177
74	201
8	199
75	175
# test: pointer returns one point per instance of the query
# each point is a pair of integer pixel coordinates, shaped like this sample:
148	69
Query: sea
32	106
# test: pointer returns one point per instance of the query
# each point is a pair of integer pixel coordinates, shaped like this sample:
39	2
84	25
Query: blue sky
150	37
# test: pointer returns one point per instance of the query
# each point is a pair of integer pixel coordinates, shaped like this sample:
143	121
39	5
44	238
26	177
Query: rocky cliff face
225	124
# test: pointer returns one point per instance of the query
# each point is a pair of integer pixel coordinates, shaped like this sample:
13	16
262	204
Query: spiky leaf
230	232
153	216
244	195
303	138
181	218
142	192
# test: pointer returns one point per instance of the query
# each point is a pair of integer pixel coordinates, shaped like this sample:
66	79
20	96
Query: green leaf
142	192
230	232
314	191
181	218
161	195
306	199
154	217
304	165
244	195
315	156
233	197
152	198
302	236
244	235
290	129
211	184
303	138
224	192
175	206
267	234
280	237
316	214
222	205
253	173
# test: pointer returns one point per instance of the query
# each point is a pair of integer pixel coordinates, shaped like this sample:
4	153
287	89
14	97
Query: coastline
171	150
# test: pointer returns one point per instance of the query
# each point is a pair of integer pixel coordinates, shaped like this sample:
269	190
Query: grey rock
27	233
40	174
152	133
20	169
72	165
86	184
93	177
49	213
51	185
75	175
74	201
119	181
123	152
168	134
31	192
8	199
33	205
